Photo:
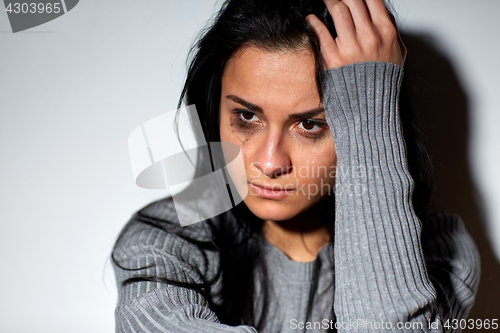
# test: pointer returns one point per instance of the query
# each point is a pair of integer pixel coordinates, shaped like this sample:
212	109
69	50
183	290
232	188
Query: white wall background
72	90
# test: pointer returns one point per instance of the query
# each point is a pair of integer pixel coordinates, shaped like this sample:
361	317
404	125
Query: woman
302	99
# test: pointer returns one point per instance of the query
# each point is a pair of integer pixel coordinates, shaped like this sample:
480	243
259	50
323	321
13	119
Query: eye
310	125
247	116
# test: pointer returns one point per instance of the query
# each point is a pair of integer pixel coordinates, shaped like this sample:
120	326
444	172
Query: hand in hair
365	32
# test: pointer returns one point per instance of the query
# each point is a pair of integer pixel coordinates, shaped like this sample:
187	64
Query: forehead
265	77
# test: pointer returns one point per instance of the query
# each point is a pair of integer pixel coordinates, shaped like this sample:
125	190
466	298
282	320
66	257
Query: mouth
271	192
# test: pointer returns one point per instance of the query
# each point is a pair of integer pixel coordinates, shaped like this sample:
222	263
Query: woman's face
270	107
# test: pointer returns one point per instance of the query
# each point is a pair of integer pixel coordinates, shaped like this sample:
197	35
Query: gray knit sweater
391	273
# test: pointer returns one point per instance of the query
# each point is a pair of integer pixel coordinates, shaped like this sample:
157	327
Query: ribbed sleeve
453	264
381	275
150	307
388	266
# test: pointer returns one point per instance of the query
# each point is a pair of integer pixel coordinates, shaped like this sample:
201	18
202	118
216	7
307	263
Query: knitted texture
389	268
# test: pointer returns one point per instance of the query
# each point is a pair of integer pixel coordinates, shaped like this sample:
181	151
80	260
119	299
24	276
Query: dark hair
271	25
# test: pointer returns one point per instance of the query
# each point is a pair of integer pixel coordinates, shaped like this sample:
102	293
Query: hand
365	32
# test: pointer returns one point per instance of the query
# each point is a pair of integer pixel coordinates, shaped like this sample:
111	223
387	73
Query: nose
272	158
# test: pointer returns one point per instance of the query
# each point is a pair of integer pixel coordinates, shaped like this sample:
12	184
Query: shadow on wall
442	106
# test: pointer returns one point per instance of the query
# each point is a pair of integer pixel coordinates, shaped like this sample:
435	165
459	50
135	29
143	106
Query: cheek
331	164
230	132
224	128
318	167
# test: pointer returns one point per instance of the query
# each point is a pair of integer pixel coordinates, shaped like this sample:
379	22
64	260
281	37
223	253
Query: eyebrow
302	115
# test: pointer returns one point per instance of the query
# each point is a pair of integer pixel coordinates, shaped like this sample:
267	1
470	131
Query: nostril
281	172
272	171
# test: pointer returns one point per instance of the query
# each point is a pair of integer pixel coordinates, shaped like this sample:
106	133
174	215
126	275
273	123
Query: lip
270	192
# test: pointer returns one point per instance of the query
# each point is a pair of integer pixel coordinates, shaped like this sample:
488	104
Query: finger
404	50
328	46
360	15
342	19
378	11
402	46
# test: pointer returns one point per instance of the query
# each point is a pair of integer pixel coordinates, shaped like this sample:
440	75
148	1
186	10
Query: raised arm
381	278
380	270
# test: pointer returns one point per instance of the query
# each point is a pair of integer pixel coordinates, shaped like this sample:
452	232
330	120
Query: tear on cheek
240	131
234	124
232	134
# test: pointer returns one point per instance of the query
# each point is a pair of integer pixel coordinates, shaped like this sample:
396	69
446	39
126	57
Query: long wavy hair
270	25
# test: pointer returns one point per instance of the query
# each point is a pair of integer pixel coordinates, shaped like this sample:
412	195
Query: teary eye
247	116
